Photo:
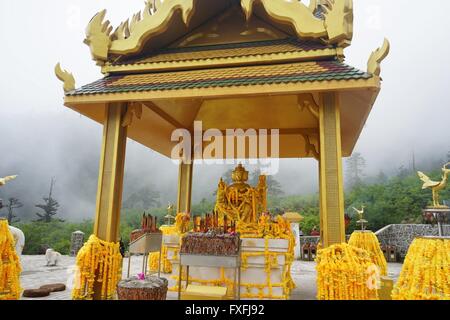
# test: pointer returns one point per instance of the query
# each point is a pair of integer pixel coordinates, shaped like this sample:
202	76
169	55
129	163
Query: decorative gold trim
66	77
312	146
374	63
222	62
134	109
310	102
256	90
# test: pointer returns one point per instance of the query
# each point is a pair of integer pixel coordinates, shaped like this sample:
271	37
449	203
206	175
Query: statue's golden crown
239	174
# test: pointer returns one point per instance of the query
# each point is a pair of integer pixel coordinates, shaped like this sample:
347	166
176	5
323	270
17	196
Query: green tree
308	223
144	199
382	178
204	206
13	203
403	172
50	207
355	170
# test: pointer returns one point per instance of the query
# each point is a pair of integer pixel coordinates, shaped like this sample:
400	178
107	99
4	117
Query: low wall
398	235
312	240
402	235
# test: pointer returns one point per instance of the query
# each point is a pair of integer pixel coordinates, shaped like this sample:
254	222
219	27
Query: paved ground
36	274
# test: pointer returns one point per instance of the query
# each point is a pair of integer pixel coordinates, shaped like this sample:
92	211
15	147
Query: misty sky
40	138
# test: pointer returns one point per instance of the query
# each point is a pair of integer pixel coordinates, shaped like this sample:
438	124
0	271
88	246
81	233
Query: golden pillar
111	170
184	187
332	225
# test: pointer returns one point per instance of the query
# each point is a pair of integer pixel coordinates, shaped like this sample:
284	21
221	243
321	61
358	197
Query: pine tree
382	177
13	203
403	172
355	170
50	207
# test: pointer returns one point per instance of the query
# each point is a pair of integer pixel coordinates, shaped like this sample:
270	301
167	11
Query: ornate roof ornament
374	63
129	38
66	77
133	110
336	28
98	37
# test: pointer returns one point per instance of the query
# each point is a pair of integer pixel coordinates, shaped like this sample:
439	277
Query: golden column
332	225
111	170
185	186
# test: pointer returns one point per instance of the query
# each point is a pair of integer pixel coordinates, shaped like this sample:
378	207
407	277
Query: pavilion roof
230	64
297	72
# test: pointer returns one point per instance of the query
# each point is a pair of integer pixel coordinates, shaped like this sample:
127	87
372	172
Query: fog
40	138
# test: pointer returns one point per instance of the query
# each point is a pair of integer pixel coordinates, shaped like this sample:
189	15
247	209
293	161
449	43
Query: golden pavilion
261	64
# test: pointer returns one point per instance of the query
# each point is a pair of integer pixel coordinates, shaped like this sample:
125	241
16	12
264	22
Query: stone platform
36	274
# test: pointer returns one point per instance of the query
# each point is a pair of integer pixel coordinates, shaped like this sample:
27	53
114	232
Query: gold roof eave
154	129
222	92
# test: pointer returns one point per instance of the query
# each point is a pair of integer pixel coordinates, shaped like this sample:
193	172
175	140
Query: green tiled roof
225	77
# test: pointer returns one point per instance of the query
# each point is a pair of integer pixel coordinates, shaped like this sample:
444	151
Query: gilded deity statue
239	201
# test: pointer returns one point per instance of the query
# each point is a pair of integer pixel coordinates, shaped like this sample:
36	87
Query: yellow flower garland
98	262
425	273
9	265
343	274
367	240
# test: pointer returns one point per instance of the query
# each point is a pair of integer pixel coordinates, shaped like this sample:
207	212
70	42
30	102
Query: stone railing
402	235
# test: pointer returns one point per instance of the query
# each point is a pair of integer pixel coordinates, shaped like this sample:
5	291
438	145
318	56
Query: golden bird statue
4	180
360	212
361	220
435	186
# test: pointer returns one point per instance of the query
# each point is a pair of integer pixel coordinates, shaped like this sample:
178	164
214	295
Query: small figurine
361	220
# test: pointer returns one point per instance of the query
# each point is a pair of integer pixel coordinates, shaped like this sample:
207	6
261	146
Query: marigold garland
9	265
100	260
343	273
425	273
367	240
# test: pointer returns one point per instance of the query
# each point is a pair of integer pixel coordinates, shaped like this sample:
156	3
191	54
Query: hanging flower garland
99	260
9	265
425	273
153	258
344	273
367	240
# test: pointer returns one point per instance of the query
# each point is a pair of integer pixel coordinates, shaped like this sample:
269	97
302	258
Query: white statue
52	257
19	239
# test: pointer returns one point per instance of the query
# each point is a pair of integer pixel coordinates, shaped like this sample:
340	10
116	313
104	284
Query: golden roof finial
374	63
66	77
